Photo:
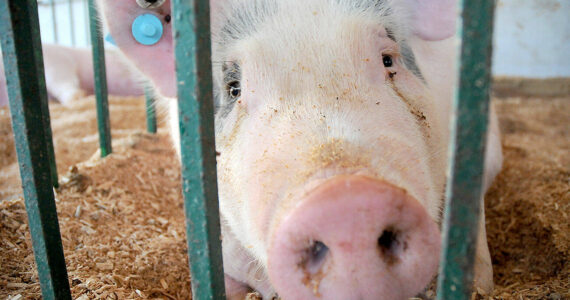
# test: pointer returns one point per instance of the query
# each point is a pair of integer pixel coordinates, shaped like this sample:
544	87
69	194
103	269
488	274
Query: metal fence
64	22
21	46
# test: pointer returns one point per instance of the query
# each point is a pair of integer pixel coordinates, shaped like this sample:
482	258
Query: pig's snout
354	237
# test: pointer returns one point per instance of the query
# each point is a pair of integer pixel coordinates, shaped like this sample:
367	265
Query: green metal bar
467	148
191	31
150	110
20	38
103	122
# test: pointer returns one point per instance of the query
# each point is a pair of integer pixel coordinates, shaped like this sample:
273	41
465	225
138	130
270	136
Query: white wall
532	38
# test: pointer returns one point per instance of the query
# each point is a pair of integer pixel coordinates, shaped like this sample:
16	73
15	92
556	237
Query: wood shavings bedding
122	216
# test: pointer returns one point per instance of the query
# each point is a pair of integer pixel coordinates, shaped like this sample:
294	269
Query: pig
332	132
69	74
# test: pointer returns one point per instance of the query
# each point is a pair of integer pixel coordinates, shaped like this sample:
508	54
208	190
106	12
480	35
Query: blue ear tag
147	29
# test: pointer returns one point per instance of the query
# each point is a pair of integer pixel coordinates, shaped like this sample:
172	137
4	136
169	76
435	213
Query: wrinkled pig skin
69	74
332	132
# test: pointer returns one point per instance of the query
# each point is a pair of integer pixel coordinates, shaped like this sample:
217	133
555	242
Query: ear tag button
147	29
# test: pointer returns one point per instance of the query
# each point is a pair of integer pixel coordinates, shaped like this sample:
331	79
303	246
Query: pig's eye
232	75
387	60
167	18
150	3
234	90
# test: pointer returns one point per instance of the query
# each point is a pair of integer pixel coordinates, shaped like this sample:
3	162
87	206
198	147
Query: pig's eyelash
231	76
390	50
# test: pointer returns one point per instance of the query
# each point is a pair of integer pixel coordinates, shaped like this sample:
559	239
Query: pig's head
332	164
331	168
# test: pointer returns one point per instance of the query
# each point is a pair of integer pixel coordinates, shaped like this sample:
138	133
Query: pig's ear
434	20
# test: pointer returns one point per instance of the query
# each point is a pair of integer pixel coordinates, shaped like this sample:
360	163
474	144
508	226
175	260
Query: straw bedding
122	219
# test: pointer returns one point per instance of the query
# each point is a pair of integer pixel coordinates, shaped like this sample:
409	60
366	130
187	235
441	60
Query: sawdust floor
122	219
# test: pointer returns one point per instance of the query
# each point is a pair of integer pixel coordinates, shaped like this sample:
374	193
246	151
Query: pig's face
321	123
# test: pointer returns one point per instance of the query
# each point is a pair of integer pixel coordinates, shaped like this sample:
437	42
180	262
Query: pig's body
69	74
332	125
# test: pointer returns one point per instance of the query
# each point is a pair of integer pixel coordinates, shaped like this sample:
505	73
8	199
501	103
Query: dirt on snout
122	219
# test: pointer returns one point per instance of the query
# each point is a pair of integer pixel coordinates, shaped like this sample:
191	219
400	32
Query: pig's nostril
387	239
389	244
315	256
319	251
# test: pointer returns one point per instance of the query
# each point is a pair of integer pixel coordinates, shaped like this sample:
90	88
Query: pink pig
332	124
69	74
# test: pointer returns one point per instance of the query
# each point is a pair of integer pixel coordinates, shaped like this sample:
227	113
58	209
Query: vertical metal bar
53	20
191	31
103	122
150	110
21	46
71	22
467	149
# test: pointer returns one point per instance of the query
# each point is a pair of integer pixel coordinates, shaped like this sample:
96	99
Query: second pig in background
69	74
